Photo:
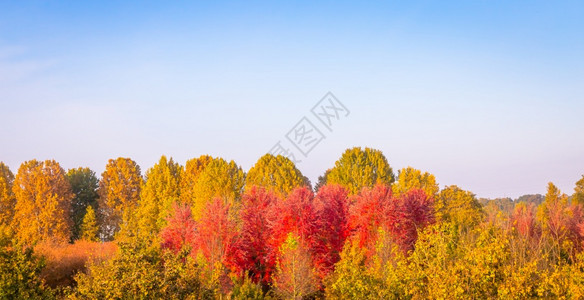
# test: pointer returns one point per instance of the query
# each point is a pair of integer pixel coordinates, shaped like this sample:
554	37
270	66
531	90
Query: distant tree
220	179
158	193
7	199
459	207
359	168
193	169
84	185
536	199
89	229
43	202
410	179
578	197
321	181
119	192
275	173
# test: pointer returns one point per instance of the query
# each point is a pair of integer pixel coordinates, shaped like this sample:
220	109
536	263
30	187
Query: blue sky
486	95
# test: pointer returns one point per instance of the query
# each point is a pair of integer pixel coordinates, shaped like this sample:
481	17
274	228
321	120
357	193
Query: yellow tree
459	207
359	168
578	197
410	178
219	179
193	169
84	186
7	199
160	190
88	230
43	202
119	191
275	173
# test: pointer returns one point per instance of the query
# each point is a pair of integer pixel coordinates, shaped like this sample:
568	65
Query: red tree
367	214
295	215
180	230
252	252
216	232
407	214
331	211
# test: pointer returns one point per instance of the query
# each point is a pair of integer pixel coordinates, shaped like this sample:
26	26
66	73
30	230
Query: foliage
89	228
410	179
119	192
193	169
84	186
294	277
578	197
407	214
19	273
275	173
359	168
43	202
180	231
219	179
158	193
7	199
459	207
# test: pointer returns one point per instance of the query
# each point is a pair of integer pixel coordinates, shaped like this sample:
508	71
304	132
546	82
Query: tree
331	208
119	192
190	176
84	186
459	207
19	273
359	168
578	197
252	254
407	214
275	173
159	192
89	229
180	229
321	180
220	179
43	202
410	178
7	200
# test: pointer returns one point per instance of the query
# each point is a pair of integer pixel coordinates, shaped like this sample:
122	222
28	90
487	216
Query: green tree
119	192
190	176
578	197
7	200
275	173
359	168
220	179
410	178
43	202
160	190
89	229
84	185
459	207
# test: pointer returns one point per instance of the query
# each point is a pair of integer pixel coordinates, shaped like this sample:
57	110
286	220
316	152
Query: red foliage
295	215
407	214
216	232
252	253
368	213
331	211
180	230
523	219
575	226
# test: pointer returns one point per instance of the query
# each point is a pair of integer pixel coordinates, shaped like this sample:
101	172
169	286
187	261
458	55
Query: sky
486	95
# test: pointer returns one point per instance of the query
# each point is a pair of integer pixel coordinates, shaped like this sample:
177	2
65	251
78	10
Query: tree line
210	230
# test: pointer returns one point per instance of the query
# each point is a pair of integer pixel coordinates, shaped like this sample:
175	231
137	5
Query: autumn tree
193	169
43	202
331	210
179	231
160	190
219	179
459	207
578	197
368	215
7	200
88	231
410	178
407	214
359	168
252	252
321	181
294	277
119	192
275	173
84	186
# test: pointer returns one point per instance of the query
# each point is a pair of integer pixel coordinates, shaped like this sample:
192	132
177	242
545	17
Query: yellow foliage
410	178
275	173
